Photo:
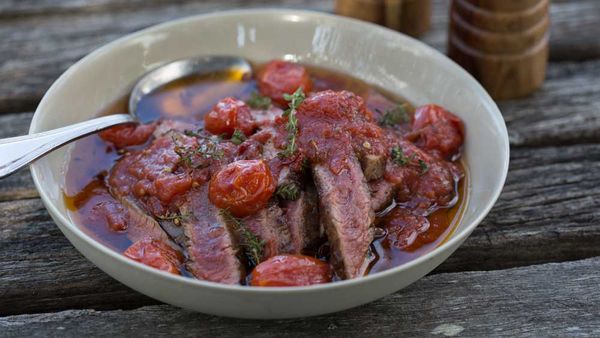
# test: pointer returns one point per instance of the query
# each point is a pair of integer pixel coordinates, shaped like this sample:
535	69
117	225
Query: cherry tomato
242	187
438	130
291	270
128	134
404	229
228	115
282	77
156	254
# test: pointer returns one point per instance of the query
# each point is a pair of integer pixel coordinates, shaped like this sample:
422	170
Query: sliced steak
267	224
382	194
211	245
302	219
345	206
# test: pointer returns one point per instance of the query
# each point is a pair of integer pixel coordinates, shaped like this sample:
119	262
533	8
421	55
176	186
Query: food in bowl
298	176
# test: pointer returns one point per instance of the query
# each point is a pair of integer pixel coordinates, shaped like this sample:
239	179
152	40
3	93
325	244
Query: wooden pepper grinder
407	16
502	43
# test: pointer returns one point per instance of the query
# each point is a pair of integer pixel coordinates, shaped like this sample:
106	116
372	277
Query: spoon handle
16	152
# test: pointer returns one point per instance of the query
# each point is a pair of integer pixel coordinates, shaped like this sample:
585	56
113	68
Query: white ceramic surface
375	54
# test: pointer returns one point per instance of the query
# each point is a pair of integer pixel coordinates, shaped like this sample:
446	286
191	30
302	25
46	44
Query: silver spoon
16	152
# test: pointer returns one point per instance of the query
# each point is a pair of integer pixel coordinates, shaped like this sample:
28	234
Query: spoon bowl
16	152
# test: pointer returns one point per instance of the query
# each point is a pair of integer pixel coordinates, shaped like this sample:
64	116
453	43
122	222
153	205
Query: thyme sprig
288	191
394	116
207	149
238	137
294	101
253	244
175	217
399	158
258	101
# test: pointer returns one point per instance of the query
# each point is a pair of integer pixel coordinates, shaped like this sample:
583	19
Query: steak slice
267	224
302	219
211	243
382	194
345	206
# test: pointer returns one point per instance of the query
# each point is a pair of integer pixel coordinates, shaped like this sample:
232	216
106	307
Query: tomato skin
438	130
291	270
156	254
242	187
228	115
405	230
128	134
281	77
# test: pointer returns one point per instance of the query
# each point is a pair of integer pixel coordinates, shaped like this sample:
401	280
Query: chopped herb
174	217
424	167
238	137
394	116
192	133
253	245
399	158
295	100
288	191
258	101
207	149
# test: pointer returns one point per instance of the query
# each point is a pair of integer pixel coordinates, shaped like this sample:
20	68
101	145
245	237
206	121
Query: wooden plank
548	212
39	41
558	300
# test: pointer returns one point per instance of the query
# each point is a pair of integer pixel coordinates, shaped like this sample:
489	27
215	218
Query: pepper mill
411	17
502	43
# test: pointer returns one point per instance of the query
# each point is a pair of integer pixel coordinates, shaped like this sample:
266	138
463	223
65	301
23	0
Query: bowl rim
455	239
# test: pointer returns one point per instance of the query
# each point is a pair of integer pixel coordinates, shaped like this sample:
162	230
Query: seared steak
302	219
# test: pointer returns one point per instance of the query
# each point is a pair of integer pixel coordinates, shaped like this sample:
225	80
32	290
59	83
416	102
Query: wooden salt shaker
503	43
411	17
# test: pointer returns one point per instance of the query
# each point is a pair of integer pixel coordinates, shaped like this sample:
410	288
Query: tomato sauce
190	100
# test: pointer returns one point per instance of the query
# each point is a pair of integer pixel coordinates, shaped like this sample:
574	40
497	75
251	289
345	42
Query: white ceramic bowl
377	55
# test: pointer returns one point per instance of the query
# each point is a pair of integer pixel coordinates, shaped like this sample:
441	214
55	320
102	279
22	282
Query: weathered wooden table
531	268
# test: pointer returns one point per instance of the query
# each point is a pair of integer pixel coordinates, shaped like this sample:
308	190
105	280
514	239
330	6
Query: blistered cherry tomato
242	187
282	77
438	130
228	115
291	270
128	134
156	254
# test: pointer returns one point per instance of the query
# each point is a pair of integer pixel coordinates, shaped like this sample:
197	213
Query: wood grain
533	222
38	41
557	300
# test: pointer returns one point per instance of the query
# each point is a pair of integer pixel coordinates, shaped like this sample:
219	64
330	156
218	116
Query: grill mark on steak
211	246
345	206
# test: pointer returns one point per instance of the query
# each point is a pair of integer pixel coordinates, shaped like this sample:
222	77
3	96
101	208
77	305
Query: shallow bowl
374	54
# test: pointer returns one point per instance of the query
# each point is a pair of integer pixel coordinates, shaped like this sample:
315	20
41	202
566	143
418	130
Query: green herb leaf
288	191
294	101
238	137
258	101
174	217
207	149
252	244
394	116
399	158
424	167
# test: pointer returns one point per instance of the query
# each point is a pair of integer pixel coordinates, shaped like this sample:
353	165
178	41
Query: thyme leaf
399	158
424	167
207	149
394	116
258	101
288	191
238	137
294	101
253	245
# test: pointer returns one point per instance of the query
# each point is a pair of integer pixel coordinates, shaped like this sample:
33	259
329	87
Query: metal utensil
16	152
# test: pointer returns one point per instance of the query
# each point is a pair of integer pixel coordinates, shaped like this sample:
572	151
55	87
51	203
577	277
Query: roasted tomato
438	131
156	254
128	134
242	187
291	270
404	229
282	77
228	115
